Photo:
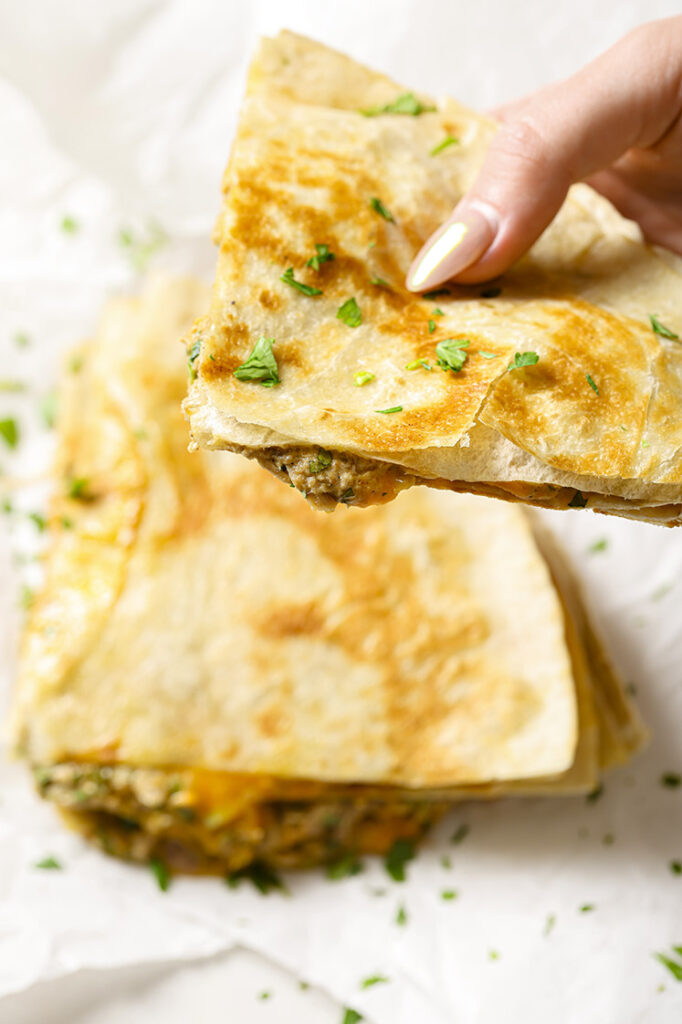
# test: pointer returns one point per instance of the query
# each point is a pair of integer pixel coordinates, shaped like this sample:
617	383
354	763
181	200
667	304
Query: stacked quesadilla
559	386
215	676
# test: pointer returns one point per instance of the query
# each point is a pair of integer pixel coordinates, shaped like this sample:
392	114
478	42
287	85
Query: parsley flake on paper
397	857
161	873
48	864
374	979
9	431
261	877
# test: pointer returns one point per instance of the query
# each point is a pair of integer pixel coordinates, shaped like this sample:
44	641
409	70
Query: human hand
616	124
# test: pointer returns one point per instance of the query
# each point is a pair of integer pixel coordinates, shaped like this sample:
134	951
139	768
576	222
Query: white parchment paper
118	117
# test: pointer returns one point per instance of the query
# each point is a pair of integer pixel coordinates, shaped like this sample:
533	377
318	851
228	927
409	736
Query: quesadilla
560	385
214	675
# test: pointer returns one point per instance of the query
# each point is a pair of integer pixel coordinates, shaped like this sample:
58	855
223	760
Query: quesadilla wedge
559	386
215	675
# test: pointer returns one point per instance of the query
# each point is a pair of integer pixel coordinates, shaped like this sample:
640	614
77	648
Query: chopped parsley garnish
69	225
320	461
449	894
350	313
401	915
394	408
26	597
379	282
139	249
493	955
9	432
676	867
659	328
379	208
523	359
450	355
304	986
597	546
48	410
397	857
323	254
609	839
160	873
265	995
192	356
347	496
549	924
304	289
587	908
671	780
460	833
374	979
11	387
432	326
437	311
407	103
578	500
488	355
446	862
596	793
590	381
77	488
673	966
261	364
449	140
346	867
48	864
363	377
260	875
39	521
76	364
351	1016
416	363
21	339
491	293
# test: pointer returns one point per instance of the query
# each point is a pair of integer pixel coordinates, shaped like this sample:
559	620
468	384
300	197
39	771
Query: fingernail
455	246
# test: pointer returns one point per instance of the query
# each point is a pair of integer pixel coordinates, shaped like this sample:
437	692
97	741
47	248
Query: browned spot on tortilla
272	722
269	299
290	620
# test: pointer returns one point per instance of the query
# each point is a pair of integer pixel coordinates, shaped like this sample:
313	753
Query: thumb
560	135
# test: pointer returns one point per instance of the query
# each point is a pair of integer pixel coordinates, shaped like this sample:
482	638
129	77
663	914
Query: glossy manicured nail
455	246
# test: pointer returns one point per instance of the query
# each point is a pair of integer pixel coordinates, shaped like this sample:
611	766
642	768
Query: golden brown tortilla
595	422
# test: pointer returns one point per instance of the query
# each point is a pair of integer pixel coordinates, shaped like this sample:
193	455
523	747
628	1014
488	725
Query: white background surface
120	113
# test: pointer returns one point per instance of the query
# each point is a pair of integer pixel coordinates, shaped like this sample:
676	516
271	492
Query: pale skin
616	124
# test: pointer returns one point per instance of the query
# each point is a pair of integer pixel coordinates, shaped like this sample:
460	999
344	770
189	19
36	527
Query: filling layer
213	822
328	478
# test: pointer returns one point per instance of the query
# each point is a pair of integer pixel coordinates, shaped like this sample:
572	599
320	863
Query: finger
561	135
